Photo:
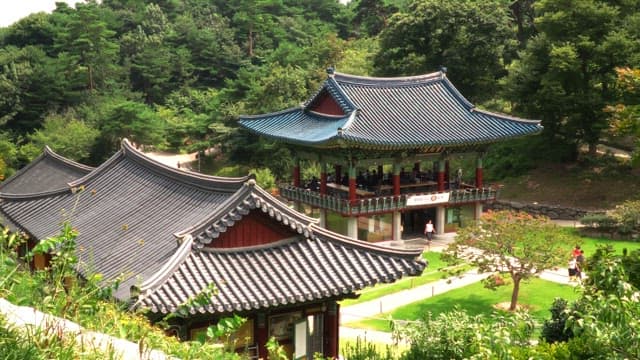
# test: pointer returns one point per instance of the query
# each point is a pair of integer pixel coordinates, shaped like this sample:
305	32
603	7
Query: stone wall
551	211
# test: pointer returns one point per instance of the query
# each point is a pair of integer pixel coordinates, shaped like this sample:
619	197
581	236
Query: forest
175	75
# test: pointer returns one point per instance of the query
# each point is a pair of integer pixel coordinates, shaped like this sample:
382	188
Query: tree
90	42
470	38
65	134
625	115
565	75
134	121
517	243
372	15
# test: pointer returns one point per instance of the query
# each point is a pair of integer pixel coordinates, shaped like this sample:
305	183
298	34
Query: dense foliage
177	74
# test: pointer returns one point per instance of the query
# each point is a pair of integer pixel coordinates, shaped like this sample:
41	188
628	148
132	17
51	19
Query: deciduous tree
515	243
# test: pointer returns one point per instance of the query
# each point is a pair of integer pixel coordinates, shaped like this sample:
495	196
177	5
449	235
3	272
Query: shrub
554	330
264	178
364	350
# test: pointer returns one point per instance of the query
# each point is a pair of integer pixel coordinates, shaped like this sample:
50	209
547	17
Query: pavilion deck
372	203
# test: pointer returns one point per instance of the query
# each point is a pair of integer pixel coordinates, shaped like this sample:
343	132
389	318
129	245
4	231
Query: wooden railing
378	204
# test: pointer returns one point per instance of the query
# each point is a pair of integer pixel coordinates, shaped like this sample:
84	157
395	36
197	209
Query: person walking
429	229
573	269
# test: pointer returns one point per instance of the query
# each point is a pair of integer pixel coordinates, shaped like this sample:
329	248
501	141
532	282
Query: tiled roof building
170	234
49	171
422	113
390	142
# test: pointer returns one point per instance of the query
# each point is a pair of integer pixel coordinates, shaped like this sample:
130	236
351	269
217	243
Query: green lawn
537	295
590	244
432	273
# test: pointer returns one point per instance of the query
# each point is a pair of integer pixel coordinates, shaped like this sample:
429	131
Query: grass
536	295
590	244
432	273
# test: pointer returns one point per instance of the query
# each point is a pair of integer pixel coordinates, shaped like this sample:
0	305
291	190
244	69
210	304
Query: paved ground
376	308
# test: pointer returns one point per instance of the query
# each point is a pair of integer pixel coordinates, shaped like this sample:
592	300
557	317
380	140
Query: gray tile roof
391	114
47	172
126	211
316	264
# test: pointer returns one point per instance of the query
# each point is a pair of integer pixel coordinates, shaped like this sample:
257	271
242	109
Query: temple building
49	171
392	153
169	235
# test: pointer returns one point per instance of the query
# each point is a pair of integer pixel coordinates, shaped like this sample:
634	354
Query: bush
364	350
264	178
624	219
554	330
601	222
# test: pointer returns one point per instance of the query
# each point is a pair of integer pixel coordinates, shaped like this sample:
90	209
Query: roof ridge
127	150
349	78
49	152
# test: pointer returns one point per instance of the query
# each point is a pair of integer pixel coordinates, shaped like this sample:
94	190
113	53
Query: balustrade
378	204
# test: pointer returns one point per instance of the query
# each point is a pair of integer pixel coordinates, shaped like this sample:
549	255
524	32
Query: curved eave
216	183
298	126
287	272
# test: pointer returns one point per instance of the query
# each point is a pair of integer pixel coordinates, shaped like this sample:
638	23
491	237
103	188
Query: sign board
428	199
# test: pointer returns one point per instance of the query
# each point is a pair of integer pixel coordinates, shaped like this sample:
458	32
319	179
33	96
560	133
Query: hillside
587	187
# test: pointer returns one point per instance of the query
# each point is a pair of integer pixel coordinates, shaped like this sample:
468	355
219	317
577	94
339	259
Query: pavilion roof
316	264
416	112
49	171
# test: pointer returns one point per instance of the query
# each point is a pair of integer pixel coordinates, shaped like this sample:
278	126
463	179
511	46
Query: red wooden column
352	183
396	179
441	174
447	174
296	174
323	178
416	166
261	334
332	330
479	172
338	171
380	172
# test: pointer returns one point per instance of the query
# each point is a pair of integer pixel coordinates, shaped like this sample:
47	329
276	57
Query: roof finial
443	69
331	70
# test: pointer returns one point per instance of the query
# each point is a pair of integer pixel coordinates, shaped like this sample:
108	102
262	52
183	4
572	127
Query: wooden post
479	172
296	174
396	179
352	183
441	174
323	178
332	330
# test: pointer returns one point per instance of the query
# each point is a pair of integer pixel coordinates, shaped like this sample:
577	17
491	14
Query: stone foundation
551	211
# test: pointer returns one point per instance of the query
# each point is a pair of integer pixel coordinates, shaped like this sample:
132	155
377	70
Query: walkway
376	308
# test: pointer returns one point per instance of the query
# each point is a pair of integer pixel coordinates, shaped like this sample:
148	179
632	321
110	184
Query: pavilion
385	148
168	235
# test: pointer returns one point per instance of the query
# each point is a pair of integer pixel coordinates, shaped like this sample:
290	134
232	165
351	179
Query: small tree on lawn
510	242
